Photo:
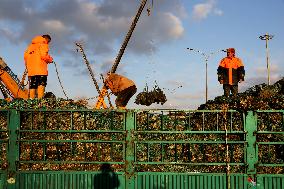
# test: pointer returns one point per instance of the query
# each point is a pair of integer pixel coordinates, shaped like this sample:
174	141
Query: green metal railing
3	147
148	149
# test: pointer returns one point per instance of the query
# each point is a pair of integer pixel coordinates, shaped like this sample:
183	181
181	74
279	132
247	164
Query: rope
59	79
107	93
22	83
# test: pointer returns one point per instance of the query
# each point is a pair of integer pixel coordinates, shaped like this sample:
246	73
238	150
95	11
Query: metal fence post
129	159
251	148
251	153
13	148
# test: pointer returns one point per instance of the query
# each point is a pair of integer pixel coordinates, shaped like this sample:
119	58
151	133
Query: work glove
220	79
50	59
242	78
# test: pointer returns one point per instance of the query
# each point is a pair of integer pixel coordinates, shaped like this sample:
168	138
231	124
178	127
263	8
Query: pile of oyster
149	97
73	137
258	97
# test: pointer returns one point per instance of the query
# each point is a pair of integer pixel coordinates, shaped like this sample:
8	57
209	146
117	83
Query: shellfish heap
149	97
258	97
80	144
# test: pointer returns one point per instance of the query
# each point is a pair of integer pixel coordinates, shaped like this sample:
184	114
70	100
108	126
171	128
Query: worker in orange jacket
121	87
230	72
36	59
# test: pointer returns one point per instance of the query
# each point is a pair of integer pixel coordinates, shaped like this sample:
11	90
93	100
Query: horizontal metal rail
143	144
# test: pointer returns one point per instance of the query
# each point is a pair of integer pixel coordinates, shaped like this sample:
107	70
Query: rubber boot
32	93
40	91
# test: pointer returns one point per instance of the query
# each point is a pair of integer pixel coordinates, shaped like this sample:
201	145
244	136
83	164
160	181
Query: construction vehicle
10	85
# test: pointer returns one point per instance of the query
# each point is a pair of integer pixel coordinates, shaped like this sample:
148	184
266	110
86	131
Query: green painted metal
63	180
129	164
3	146
3	178
151	149
190	181
13	148
251	153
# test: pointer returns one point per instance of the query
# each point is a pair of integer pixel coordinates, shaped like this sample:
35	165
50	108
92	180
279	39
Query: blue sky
157	50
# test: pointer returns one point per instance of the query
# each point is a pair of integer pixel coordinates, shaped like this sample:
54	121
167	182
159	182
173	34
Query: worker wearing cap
36	59
121	87
230	72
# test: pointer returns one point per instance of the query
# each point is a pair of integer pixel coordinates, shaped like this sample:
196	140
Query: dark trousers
230	88
124	96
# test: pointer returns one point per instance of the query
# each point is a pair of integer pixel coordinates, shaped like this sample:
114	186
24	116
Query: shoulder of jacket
39	40
223	59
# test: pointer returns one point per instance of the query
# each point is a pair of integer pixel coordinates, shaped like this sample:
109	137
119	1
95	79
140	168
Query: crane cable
4	91
22	83
91	72
108	94
59	80
150	7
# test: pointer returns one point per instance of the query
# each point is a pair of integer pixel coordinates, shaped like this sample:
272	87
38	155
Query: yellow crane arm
10	84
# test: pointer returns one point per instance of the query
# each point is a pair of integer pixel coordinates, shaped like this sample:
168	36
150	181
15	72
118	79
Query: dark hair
231	50
46	36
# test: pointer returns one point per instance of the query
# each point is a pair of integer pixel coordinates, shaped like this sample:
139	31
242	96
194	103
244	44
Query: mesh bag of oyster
147	97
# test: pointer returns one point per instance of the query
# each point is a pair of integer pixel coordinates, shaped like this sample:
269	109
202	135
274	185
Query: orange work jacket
231	70
117	83
36	57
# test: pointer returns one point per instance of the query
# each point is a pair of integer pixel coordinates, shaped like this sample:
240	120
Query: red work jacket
231	70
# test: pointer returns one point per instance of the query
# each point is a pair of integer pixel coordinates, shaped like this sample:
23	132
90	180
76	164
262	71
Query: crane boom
10	81
128	36
103	91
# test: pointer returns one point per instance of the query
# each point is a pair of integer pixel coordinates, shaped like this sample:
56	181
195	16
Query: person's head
47	37
231	52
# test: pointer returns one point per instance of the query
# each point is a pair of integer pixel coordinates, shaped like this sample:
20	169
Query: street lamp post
267	37
206	58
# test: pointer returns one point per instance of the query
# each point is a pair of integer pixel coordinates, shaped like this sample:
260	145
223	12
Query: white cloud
55	25
201	11
218	12
9	34
175	28
101	25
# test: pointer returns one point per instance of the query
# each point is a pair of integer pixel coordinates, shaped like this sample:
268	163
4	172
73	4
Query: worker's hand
106	85
50	59
221	81
241	80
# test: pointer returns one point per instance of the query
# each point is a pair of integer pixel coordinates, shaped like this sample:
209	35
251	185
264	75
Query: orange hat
231	50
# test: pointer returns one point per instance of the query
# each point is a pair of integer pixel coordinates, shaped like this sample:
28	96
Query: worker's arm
220	72
44	53
241	70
